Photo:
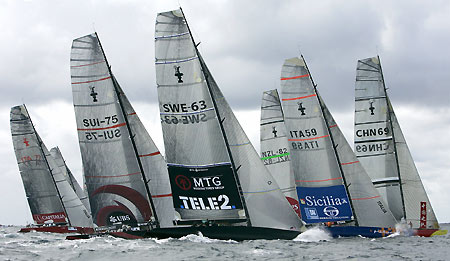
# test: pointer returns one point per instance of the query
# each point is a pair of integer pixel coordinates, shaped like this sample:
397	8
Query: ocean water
314	244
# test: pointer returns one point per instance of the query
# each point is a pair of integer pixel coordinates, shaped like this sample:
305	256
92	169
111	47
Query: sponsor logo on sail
331	211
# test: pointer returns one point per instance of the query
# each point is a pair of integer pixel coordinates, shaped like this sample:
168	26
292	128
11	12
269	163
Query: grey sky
244	44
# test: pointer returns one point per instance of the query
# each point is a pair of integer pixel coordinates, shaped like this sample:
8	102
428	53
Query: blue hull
352	231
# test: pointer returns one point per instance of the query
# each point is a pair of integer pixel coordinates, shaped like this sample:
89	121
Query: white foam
315	234
202	239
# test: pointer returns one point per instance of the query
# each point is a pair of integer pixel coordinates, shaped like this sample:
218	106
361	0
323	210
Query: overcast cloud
244	44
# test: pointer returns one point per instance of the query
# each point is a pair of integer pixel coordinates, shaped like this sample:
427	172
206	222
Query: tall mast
224	135
388	103
149	195
48	166
332	141
67	169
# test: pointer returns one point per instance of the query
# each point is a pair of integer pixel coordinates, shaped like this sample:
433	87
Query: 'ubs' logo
183	182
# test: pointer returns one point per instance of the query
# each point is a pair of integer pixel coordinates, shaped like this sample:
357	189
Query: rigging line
378	69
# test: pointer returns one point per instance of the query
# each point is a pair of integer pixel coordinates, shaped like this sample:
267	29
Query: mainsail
51	198
382	149
331	183
275	151
118	166
215	172
61	163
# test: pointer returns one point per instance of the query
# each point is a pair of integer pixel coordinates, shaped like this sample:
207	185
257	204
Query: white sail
367	204
381	148
275	151
111	167
204	141
60	162
46	185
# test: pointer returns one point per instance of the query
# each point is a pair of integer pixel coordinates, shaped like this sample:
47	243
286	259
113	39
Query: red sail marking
294	77
348	163
102	79
89	64
315	138
335	125
151	154
298	98
113	176
133	113
114	126
162	196
27	142
318	180
366	198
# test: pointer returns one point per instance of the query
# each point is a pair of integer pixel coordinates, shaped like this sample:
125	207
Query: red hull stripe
348	163
133	113
162	196
113	176
89	64
335	125
151	154
295	77
315	138
365	198
102	79
298	98
318	180
114	126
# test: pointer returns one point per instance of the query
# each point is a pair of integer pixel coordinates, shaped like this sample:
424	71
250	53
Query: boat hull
238	233
59	229
429	232
352	231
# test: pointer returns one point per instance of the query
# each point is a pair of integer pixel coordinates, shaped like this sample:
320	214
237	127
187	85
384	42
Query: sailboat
126	175
60	162
220	186
53	203
381	148
332	185
275	151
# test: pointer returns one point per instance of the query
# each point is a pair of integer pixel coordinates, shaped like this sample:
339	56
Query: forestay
275	151
214	170
60	162
320	186
113	177
34	149
384	152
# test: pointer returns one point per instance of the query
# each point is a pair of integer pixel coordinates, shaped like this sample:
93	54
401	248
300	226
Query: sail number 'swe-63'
96	122
184	107
220	202
185	119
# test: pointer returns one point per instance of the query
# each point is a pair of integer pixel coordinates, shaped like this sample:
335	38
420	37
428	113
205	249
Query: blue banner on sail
324	204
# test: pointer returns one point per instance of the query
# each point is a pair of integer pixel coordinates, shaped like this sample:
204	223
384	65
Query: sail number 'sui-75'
195	108
220	202
98	128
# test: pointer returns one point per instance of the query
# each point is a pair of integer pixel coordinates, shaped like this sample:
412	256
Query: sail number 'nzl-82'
273	157
211	202
194	110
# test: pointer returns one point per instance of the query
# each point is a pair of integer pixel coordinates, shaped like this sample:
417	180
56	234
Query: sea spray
315	234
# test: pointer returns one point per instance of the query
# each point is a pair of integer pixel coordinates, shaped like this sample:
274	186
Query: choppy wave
315	234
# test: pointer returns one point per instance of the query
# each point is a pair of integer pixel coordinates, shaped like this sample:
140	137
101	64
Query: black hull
238	233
